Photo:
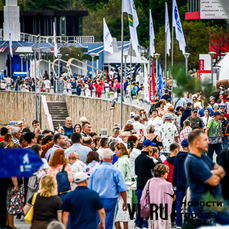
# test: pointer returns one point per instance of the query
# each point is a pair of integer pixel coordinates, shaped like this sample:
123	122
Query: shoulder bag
29	216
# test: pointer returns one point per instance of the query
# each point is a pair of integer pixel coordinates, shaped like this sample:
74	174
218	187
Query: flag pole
103	47
149	41
165	60
121	68
172	47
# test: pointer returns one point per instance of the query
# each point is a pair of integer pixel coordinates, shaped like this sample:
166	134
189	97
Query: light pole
156	55
212	54
125	56
59	56
39	76
21	56
93	56
35	76
186	55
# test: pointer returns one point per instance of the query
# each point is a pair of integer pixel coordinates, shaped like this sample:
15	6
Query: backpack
62	181
33	182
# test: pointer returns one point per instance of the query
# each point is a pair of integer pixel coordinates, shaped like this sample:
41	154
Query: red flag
152	91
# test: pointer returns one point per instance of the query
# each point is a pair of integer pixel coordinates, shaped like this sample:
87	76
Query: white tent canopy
116	58
224	68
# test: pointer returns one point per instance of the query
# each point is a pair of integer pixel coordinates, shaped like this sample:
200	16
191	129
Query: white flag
10	42
107	39
146	88
129	7
167	30
151	35
54	38
178	27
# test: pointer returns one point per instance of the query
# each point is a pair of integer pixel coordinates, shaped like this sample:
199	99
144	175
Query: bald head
68	122
107	155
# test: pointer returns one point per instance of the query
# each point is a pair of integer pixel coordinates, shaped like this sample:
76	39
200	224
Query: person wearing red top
174	149
99	90
3	131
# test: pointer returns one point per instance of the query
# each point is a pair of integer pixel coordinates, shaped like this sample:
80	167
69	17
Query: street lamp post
59	56
39	77
157	55
21	56
212	54
186	55
92	56
125	56
35	76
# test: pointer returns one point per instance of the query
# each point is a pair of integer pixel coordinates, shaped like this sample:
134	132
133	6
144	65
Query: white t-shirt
138	126
47	84
157	122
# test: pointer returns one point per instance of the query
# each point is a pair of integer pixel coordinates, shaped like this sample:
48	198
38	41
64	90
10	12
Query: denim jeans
138	221
224	142
214	147
179	197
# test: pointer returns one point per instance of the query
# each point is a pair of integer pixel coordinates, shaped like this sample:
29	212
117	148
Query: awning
2	49
25	49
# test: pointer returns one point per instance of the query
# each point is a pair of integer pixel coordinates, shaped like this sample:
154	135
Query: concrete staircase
58	111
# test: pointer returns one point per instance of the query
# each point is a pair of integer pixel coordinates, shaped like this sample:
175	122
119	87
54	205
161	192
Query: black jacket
185	114
144	166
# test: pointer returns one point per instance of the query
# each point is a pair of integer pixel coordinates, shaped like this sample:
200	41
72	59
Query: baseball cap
147	142
222	105
194	109
217	113
184	143
132	114
80	177
168	116
211	98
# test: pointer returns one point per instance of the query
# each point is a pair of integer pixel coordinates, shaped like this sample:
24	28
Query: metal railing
49	39
60	39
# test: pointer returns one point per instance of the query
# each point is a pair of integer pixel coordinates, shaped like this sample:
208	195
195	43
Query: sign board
212	9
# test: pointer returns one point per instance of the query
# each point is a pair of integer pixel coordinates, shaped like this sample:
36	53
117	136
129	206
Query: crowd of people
89	181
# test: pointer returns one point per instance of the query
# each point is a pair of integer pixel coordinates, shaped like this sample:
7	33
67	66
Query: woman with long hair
123	164
91	162
206	118
155	120
47	206
77	128
57	163
160	108
160	192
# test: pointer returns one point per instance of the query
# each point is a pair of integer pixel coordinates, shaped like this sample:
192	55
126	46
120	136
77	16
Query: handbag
29	216
145	204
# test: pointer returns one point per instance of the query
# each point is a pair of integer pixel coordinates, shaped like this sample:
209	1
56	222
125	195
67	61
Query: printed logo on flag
177	19
130	19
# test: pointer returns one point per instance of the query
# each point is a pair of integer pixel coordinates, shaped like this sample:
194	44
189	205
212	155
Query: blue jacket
179	178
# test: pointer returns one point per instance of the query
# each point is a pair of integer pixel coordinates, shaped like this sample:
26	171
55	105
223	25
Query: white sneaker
178	227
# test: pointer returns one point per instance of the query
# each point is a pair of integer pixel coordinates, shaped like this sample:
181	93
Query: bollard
93	93
127	99
103	95
144	105
140	102
134	100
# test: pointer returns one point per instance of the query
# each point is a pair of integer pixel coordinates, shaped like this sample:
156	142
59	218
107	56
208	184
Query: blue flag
18	163
160	88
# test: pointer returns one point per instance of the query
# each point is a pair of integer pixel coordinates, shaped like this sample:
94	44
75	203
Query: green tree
93	24
71	52
46	5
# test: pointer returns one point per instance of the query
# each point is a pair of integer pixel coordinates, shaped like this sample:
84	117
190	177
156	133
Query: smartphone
59	126
130	145
141	132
